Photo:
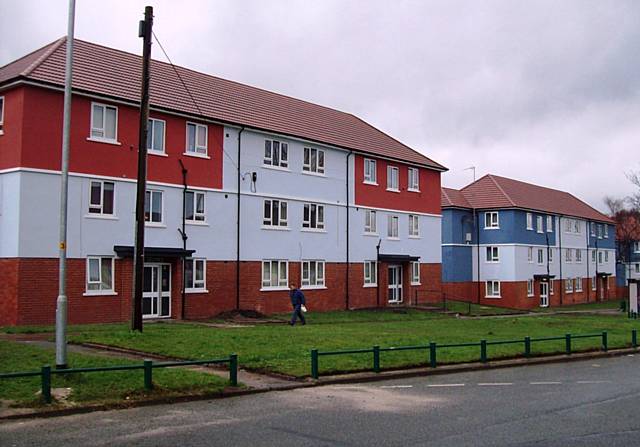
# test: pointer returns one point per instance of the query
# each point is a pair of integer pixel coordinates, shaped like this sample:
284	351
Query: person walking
298	302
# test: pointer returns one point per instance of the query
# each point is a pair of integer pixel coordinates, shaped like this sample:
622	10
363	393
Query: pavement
586	403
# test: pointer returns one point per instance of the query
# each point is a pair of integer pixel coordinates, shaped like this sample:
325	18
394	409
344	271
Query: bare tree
614	205
634	199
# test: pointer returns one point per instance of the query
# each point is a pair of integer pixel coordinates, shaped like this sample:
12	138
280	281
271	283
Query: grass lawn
96	387
612	304
285	349
465	308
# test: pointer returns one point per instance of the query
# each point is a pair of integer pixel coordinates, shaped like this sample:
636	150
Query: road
586	403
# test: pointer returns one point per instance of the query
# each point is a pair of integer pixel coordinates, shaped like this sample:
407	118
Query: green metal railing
432	349
147	366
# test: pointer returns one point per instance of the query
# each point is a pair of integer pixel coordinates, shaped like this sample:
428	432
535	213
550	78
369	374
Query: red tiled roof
453	197
106	71
492	191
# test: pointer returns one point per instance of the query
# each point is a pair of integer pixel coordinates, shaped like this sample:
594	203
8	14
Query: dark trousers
297	313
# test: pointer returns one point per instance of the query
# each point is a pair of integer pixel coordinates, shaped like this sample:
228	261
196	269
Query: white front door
395	283
544	294
156	291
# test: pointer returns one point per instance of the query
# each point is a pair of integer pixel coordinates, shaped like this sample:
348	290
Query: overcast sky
542	91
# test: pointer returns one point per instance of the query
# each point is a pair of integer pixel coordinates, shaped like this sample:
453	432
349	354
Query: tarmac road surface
585	403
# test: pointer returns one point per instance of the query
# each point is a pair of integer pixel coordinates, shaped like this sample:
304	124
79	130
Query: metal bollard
605	345
233	369
314	363
567	344
527	347
148	375
432	354
46	383
483	351
376	359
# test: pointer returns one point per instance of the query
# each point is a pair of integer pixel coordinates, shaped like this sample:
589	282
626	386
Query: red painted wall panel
11	140
425	201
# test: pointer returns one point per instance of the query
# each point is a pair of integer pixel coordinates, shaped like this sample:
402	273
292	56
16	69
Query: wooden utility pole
144	31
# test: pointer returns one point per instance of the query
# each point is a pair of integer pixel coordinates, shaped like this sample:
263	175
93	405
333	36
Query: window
415	273
599	231
567	255
529	221
414	179
636	247
194	206
392	226
99	274
577	228
195	274
539	228
104	122
313	160
637	268
551	286
594	284
540	256
313	216
155	137
275	213
530	254
370	273
529	287
606	231
313	273
392	178
491	220
276	153
593	229
550	224
493	289
1	114
606	256
370	222
599	257
578	286
493	254
593	256
568	285
153	206
196	139
578	255
568	226
275	274
370	175
414	226
101	198
550	254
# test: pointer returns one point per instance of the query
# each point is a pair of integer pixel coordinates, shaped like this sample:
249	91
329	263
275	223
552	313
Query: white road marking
397	386
545	383
496	384
596	365
593	381
434	385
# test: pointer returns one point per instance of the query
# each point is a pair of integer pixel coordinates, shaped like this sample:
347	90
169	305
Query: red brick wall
9	291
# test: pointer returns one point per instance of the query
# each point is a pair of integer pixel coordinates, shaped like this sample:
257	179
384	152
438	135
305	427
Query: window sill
416	283
101	217
530	296
370	234
369	286
104	140
493	297
314	174
156	153
155	225
370	183
491	228
276	168
265	227
393	190
415	237
196	155
274	289
197	223
195	291
100	293
492	262
1	132
312	230
529	229
393	238
413	190
313	288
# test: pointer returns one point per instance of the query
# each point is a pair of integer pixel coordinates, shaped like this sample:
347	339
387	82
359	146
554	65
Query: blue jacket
297	297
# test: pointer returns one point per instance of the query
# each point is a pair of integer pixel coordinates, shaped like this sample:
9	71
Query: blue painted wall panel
457	264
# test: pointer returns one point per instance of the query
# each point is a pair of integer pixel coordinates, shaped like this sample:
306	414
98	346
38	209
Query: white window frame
413	180
530	288
414	226
551	287
606	231
637	267
568	256
370	270
539	224
593	256
268	160
530	255
492	254
568	285
606	256
549	224
550	255
493	224
540	256
415	273
88	281
282	208
529	221
393	179
594	283
636	246
392	226
199	217
494	285
197	285
370	171
308	166
593	229
600	257
103	129
2	107
370	222
568	226
577	228
278	283
578	256
198	149
599	229
153	193
308	221
318	266
578	284
151	136
97	209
